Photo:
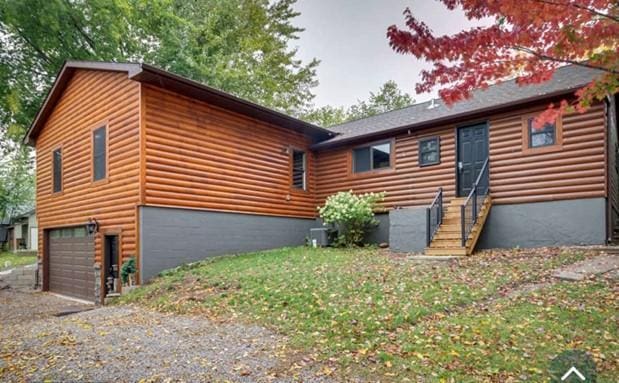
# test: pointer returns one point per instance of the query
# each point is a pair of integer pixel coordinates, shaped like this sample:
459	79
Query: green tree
16	182
389	97
239	46
327	115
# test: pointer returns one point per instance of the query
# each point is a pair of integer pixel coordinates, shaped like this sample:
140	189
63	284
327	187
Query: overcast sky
349	37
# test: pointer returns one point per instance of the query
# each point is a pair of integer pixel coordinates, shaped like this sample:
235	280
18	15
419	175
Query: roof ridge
498	96
441	100
383	113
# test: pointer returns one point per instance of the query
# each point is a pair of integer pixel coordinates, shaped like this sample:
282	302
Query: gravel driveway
125	344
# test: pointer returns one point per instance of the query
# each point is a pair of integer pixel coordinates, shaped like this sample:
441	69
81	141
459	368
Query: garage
71	259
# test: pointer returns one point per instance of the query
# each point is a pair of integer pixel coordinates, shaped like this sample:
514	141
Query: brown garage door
71	260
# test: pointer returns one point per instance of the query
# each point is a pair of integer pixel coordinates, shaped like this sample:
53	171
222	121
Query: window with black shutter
57	170
298	169
99	153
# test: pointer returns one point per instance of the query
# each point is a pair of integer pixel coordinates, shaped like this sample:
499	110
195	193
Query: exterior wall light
92	226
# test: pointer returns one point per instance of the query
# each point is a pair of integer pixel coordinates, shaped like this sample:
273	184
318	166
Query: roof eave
60	84
164	79
141	73
444	120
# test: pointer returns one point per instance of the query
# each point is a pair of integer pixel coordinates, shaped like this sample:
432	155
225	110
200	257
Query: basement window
373	157
57	170
429	151
299	174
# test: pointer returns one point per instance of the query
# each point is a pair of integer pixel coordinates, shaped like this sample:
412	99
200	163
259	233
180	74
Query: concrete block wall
407	229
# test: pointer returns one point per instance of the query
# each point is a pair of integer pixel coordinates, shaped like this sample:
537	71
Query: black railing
434	216
469	211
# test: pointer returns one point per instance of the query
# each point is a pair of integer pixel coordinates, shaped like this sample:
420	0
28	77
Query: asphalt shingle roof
565	79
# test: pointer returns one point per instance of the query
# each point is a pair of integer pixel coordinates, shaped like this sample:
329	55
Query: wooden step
448	237
445	242
458	199
451	220
451	228
446	251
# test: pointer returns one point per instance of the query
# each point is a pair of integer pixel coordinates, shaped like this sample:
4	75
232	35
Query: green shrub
127	268
351	215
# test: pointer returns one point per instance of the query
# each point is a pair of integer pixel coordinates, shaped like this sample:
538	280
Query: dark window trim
438	148
92	152
304	152
391	143
54	150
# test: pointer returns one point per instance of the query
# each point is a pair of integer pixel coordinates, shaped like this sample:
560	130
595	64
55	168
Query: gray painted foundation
407	229
378	234
171	237
556	223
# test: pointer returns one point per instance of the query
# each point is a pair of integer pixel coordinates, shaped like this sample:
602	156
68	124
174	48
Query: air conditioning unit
319	237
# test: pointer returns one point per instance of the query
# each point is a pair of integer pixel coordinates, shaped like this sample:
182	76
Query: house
20	233
5	221
134	161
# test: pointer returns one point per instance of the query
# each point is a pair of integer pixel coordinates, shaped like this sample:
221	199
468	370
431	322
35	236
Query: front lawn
371	315
10	260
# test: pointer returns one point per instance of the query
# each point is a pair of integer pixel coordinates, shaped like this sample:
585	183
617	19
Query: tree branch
590	10
88	39
41	54
566	61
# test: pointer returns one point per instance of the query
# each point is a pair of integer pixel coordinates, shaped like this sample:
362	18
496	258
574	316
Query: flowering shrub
352	215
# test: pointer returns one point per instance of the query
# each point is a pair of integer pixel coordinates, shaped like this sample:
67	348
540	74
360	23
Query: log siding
91	99
517	174
170	150
203	157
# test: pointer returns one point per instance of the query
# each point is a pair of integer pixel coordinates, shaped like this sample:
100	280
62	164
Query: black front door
472	153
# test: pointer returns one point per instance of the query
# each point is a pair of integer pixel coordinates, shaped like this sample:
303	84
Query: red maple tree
529	40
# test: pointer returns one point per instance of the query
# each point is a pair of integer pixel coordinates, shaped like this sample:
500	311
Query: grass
10	260
373	315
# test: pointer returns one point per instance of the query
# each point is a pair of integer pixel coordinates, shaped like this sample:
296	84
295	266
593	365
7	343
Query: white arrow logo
575	371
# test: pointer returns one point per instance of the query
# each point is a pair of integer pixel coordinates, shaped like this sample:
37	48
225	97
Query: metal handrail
433	225
474	194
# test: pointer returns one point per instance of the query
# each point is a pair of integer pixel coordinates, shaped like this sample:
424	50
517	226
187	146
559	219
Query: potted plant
127	274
